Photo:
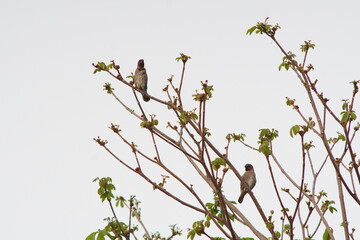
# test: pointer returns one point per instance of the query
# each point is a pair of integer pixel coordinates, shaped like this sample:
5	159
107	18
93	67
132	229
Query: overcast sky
52	105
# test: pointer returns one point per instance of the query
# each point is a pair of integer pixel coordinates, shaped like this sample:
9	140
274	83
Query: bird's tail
146	97
241	198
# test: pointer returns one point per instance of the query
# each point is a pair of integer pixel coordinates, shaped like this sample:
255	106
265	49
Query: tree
303	206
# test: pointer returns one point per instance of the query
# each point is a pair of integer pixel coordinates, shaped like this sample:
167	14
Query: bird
250	178
140	79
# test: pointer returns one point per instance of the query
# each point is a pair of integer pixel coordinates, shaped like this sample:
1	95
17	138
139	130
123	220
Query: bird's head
141	63
249	167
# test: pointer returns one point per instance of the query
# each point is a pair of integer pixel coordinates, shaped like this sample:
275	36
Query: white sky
52	105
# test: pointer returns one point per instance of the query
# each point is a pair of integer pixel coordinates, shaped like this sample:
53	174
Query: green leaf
294	130
269	225
209	205
332	209
91	236
305	47
287	227
110	66
193	116
280	66
341	136
352	115
235	137
345	105
102	65
208	89
348	116
183	117
311	124
143	124
326	235
290	102
183	58
120	201
191	234
155	122
251	30
207	224
265	149
344	116
104	231
100	236
108	88
268	134
217	163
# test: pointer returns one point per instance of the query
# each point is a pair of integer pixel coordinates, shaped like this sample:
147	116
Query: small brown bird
250	178
140	79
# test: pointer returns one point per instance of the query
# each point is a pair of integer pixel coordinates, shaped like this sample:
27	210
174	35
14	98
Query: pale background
52	105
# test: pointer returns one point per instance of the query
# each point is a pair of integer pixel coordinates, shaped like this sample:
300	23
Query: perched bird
140	79
250	178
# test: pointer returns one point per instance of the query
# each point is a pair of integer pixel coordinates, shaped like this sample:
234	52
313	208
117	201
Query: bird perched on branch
140	79
250	178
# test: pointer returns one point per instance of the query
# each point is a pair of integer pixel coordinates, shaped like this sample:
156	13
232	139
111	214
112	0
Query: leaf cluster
266	136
